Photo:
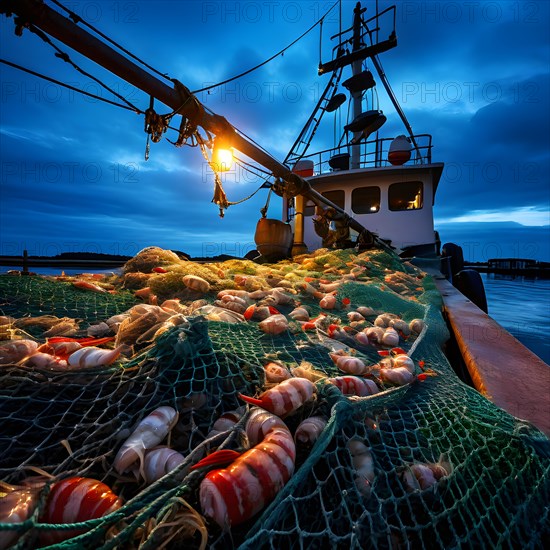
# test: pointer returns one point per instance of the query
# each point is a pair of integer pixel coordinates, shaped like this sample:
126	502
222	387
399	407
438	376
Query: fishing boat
345	341
387	184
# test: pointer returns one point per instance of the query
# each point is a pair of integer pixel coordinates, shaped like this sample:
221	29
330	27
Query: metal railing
374	154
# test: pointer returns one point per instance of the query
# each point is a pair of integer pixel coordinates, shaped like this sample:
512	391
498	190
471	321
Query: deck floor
501	367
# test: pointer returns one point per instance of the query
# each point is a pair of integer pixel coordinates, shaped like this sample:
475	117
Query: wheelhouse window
365	200
309	208
338	197
408	195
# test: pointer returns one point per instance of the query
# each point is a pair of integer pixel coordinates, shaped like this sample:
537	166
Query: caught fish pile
215	391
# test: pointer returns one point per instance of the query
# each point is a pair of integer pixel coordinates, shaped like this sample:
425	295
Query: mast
180	99
356	68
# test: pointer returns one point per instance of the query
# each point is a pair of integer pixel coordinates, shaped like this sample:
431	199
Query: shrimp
93	357
16	350
284	398
196	283
16	507
274	324
309	430
363	465
275	373
234	494
159	461
354	385
400	376
75	500
149	433
420	475
85	285
349	364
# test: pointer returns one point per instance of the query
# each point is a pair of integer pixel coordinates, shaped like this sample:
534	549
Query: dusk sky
474	74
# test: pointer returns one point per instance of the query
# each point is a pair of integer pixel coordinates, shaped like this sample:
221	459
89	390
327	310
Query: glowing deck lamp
222	154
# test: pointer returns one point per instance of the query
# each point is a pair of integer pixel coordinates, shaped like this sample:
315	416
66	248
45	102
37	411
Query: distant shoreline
44	261
91	260
105	261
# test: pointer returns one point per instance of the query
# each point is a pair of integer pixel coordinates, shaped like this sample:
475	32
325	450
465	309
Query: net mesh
73	422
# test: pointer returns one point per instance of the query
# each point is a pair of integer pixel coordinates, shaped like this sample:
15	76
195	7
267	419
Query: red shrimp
85	285
353	385
74	500
309	430
284	398
349	364
234	494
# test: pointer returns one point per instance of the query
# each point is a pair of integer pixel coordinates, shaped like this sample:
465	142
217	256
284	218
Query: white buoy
400	151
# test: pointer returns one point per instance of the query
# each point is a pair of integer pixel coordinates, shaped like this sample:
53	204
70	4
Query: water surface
522	307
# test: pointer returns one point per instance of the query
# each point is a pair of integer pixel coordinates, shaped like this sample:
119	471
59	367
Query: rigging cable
65	57
58	82
77	19
340	22
89	94
193	142
320	43
252	166
319	21
262	186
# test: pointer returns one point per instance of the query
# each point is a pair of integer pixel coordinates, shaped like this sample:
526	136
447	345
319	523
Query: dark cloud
500	158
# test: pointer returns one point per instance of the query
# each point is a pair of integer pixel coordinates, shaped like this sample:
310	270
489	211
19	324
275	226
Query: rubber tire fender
469	283
457	257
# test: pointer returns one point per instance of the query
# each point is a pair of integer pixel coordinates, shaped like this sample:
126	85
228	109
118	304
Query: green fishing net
72	422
